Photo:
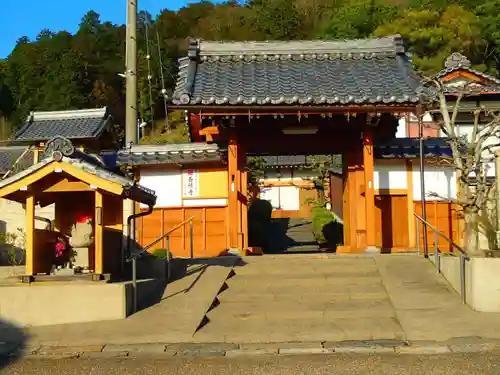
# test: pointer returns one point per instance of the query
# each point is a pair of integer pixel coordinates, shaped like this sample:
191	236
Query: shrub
259	221
13	246
160	253
327	230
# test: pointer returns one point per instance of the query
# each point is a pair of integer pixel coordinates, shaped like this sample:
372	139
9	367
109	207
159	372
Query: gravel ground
359	364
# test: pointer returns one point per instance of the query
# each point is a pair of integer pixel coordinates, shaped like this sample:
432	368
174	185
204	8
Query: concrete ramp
172	314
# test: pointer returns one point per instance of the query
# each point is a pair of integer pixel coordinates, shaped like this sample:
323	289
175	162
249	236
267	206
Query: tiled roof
300	161
78	124
456	62
90	164
365	71
407	148
186	153
9	155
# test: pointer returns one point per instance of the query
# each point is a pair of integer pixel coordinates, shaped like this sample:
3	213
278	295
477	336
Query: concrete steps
293	298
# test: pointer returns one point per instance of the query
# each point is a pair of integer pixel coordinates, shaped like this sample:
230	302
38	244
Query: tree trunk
471	235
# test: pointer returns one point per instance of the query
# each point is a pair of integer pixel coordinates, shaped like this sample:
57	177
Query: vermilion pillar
233	184
368	162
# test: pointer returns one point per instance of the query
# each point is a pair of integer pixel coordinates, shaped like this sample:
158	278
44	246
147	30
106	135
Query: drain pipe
149	211
128	252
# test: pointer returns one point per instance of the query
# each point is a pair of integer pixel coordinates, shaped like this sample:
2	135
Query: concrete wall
482	280
60	303
13	216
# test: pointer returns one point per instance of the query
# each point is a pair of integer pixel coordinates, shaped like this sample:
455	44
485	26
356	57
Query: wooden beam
371	231
391	192
209	132
30	235
65	185
242	110
98	234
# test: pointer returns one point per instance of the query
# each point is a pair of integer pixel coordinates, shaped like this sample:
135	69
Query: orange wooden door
209	230
392	221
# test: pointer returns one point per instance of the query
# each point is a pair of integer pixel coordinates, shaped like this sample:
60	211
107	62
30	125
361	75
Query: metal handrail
437	260
165	235
133	258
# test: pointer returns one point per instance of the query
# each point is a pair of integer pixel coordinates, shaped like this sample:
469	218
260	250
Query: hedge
327	230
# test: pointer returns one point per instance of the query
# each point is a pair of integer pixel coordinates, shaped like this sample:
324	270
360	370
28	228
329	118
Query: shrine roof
61	150
185	153
348	72
74	124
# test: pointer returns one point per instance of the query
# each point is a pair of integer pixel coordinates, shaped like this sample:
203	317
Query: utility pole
130	105
497	195
131	74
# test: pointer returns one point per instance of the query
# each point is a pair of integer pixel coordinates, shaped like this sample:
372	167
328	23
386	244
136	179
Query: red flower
60	247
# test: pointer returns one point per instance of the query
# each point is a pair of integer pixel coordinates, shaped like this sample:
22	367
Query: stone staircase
302	298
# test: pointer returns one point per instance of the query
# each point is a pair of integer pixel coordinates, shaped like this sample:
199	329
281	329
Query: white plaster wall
401	130
205	202
166	184
390	177
466	129
282	197
440	180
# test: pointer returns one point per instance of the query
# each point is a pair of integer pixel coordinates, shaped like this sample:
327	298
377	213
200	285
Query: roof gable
61	156
365	71
458	72
77	124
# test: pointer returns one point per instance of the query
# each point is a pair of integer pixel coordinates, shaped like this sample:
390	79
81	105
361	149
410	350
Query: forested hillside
60	70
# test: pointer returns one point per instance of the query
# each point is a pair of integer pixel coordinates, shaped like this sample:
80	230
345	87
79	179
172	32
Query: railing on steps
133	257
437	260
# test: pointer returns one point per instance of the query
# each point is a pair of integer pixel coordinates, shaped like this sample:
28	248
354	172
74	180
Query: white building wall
13	217
401	130
390	176
166	184
439	180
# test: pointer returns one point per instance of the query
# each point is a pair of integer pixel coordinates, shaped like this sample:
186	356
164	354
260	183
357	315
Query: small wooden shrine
86	234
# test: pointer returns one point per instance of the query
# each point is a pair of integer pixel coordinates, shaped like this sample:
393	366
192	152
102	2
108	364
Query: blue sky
29	17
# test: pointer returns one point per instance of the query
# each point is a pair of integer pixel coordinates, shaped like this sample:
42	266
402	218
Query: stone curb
157	350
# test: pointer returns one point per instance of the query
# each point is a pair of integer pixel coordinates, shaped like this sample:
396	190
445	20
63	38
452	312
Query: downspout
149	211
129	252
422	181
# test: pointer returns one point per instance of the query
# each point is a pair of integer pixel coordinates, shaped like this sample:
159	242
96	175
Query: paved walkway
470	364
334	298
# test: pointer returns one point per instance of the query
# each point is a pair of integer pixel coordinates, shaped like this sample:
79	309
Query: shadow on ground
13	340
180	268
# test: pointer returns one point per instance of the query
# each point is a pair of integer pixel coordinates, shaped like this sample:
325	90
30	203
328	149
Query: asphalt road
470	364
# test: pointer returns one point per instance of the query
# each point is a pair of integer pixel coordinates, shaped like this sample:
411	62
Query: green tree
358	19
433	35
277	19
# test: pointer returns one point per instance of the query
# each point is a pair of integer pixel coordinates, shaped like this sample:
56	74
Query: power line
150	77
163	89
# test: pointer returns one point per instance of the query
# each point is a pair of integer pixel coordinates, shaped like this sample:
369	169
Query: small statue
82	237
62	256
